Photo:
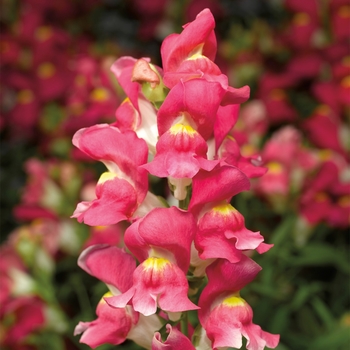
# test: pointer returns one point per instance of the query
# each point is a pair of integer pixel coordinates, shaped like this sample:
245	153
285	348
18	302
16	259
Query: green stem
184	323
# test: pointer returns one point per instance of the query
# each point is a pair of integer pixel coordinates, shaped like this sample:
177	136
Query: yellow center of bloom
106	177
323	110
224	209
301	19
76	108
196	53
184	129
345	320
25	96
100	228
346	61
239	125
346	82
46	70
4	46
80	80
325	154
344	201
344	11
43	33
248	150
321	197
275	168
277	94
99	94
234	300
126	100
157	264
106	295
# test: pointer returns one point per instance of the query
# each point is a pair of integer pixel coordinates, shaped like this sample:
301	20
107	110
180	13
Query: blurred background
55	79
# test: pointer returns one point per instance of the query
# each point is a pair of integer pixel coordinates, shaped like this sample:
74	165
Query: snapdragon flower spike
222	234
120	191
224	315
161	241
114	267
175	340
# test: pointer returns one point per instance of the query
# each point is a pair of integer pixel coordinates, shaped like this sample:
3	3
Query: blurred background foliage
303	290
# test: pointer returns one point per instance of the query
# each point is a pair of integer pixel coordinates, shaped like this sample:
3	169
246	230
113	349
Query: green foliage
302	292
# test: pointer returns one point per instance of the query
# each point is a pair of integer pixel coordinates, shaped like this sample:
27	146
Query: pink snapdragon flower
191	54
222	234
189	100
224	315
121	190
324	129
288	164
180	153
221	230
326	196
161	241
114	267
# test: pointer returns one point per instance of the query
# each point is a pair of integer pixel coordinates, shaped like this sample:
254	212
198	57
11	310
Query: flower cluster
53	82
175	123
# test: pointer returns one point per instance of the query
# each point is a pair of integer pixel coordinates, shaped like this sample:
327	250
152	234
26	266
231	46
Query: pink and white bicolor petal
143	122
175	340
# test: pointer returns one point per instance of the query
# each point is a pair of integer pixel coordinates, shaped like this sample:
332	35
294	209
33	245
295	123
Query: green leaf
283	231
320	254
339	339
323	312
